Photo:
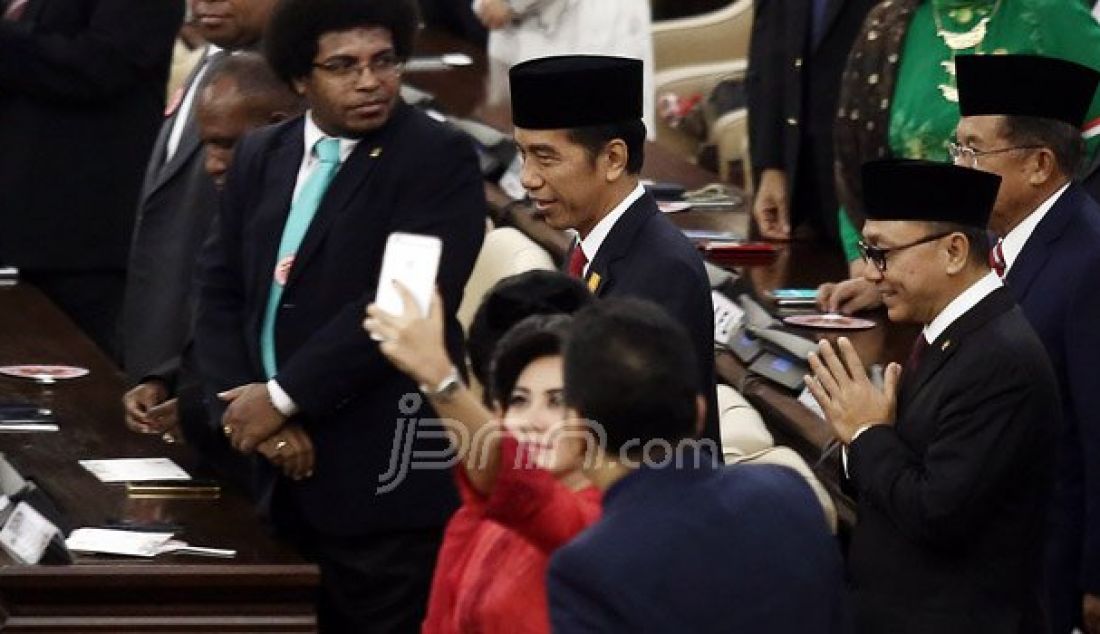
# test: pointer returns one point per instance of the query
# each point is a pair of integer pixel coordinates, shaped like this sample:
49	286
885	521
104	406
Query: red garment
491	573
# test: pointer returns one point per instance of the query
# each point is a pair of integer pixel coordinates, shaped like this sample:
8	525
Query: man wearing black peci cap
1049	257
581	160
952	459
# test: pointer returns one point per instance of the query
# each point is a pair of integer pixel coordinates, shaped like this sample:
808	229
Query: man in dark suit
798	51
293	261
238	94
176	209
581	159
684	544
81	92
952	469
1049	256
1091	179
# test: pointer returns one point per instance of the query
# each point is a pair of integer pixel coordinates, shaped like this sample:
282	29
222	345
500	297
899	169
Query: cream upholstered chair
701	80
730	134
745	440
506	251
718	36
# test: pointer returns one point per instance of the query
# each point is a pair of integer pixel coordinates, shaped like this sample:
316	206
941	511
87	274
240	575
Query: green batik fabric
922	121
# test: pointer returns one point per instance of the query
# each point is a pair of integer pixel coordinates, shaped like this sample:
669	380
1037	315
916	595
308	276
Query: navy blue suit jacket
648	257
1056	281
413	175
702	549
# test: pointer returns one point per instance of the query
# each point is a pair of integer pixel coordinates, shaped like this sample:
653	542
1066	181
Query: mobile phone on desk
794	297
413	260
13	413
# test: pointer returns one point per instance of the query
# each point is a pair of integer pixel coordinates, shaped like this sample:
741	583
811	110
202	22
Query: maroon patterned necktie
15	10
916	354
577	262
997	259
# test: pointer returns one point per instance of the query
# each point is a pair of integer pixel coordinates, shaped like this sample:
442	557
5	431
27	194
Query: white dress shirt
311	135
591	243
1013	243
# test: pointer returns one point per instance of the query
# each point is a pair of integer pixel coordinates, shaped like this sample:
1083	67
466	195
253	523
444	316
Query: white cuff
844	449
281	400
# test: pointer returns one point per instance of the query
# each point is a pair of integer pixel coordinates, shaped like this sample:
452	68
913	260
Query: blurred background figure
797	53
520	30
81	94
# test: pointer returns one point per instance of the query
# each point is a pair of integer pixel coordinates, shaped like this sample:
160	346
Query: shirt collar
961	305
591	244
1013	243
312	134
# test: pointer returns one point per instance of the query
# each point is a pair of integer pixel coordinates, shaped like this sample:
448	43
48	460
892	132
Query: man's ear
1044	167
299	86
958	252
616	154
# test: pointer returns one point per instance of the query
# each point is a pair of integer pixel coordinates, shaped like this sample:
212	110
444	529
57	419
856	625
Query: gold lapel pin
593	282
945	346
376	152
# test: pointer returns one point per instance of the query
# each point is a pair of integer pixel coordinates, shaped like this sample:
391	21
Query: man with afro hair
294	259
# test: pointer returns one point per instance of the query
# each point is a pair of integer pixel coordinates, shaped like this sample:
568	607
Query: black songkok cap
898	189
1025	86
575	91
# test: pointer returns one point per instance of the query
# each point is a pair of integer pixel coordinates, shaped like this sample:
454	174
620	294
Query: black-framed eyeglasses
877	255
345	67
969	156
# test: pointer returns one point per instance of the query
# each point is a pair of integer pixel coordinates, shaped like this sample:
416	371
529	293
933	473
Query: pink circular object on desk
829	321
44	373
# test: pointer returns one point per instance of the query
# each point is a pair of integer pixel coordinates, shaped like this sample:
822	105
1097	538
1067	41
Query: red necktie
916	354
577	261
15	10
997	259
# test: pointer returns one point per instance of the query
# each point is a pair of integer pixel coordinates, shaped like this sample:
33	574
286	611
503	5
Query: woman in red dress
522	491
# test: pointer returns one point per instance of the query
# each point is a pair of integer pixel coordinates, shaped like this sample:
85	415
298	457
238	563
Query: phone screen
794	293
412	260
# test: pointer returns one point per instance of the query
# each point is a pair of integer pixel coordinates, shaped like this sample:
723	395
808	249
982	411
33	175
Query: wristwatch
445	390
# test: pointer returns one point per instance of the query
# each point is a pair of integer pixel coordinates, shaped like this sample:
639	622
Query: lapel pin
945	346
593	282
376	152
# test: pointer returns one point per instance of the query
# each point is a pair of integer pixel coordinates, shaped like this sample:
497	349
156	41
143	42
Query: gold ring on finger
280	444
228	430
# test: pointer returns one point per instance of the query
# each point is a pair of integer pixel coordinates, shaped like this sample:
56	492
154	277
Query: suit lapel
944	347
280	176
601	273
351	178
1038	247
189	139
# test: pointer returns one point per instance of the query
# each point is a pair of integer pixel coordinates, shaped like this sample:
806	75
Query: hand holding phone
412	260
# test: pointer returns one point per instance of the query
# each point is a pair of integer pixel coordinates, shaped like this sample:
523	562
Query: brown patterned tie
15	10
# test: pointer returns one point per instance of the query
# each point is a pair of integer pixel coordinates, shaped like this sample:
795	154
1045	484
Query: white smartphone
413	260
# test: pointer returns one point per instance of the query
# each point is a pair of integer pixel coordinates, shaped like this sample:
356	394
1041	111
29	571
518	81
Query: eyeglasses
347	68
970	156
877	255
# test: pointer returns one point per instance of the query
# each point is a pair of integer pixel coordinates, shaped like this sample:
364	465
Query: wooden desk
267	587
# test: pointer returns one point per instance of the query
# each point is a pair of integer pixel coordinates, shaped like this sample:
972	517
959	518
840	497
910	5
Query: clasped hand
847	396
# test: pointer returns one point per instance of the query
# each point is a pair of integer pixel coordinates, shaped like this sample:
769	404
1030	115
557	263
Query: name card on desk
135	469
26	533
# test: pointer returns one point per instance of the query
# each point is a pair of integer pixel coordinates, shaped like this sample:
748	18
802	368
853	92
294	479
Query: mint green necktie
327	151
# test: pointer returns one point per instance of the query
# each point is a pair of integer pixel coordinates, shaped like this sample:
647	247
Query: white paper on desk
135	469
117	542
108	541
